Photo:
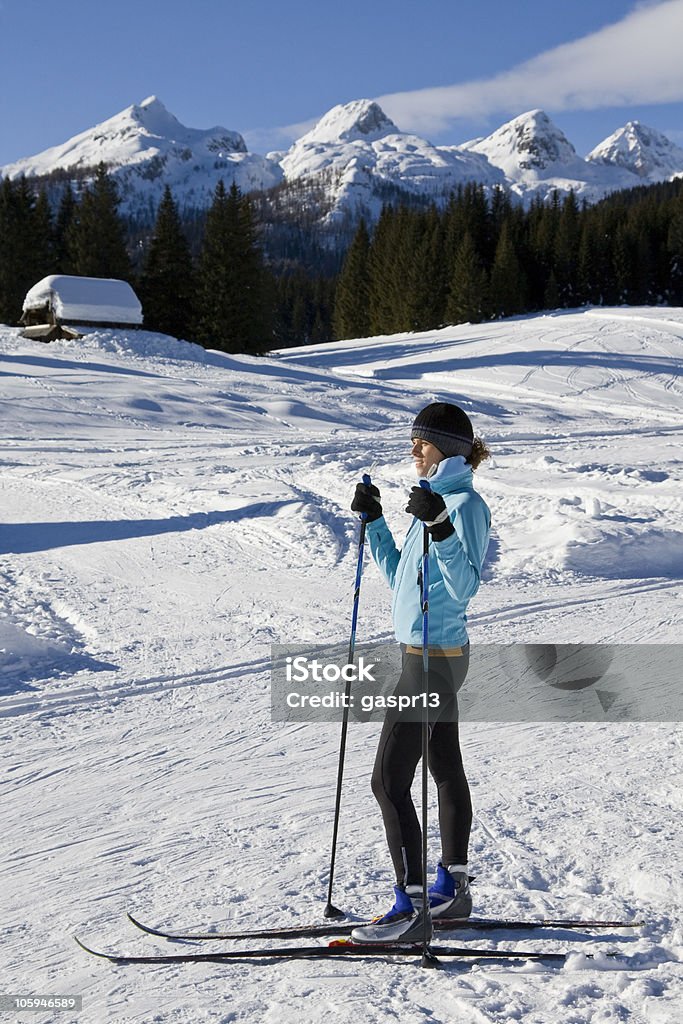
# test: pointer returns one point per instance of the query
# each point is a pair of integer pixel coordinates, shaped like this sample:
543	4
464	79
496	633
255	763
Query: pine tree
621	264
282	318
352	302
427	289
43	240
674	250
609	218
166	284
382	311
66	216
25	245
551	298
642	281
501	212
391	265
324	297
467	299
301	317
532	243
588	285
545	222
231	302
96	239
508	286
566	251
10	226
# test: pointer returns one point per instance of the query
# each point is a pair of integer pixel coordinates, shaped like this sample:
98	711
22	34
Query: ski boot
450	895
403	923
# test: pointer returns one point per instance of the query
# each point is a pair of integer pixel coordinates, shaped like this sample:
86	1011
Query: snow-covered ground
168	513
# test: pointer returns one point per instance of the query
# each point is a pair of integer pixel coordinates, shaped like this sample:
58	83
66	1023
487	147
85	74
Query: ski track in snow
168	513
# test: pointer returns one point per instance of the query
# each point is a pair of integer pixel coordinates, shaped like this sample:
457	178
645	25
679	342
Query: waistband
437	652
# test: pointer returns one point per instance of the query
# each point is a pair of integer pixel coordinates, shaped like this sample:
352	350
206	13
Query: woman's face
425	455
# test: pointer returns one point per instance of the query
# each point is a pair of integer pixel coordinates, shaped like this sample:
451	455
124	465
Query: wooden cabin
59	304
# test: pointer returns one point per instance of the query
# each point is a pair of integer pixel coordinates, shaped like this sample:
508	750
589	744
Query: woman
445	452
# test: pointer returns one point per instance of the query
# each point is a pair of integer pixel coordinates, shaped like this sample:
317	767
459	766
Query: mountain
528	145
357	121
350	163
146	148
364	157
536	157
643	151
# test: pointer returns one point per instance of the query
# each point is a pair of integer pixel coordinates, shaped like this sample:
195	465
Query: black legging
398	754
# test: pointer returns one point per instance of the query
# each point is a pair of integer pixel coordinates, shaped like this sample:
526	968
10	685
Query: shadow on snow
21	538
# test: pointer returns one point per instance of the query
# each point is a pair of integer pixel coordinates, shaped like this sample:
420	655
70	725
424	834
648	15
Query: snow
350	122
357	154
168	513
532	138
642	150
359	148
536	158
74	299
146	148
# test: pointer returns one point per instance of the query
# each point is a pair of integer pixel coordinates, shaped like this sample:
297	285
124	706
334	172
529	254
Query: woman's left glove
431	509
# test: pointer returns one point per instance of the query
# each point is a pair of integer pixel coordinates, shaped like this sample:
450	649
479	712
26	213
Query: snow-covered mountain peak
152	118
152	122
359	120
356	155
542	140
133	136
364	156
152	115
642	150
530	142
146	147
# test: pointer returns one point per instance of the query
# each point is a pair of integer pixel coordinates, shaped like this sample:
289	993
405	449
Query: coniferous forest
244	277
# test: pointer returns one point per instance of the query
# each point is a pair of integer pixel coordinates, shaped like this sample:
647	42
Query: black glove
429	506
366	499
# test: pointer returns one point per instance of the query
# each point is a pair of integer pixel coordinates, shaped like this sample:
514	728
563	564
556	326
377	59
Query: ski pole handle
367	481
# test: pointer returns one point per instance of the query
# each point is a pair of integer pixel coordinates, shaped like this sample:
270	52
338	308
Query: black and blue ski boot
450	895
403	923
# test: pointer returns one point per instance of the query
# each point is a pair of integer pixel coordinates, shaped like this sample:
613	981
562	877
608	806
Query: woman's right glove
366	499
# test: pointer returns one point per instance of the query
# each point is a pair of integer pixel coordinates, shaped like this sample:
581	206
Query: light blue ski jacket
454	563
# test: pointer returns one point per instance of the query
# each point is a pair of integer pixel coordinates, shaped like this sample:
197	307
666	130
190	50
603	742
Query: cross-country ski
332	951
440	924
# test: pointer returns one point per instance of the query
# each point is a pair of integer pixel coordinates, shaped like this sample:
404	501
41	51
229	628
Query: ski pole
330	909
428	958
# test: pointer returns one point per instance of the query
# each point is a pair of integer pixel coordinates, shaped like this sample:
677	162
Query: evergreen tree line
85	238
224	297
480	258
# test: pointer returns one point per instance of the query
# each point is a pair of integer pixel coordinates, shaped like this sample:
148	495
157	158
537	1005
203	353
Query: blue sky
447	70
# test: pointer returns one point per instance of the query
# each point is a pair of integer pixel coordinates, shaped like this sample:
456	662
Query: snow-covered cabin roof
85	300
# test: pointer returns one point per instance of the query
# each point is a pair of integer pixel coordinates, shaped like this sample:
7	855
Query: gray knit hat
445	426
